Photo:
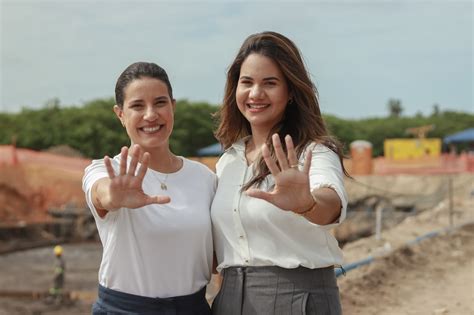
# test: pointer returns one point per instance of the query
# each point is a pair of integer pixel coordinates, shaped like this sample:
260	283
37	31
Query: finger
108	166
280	154
160	199
292	158
260	194
144	167
123	160
134	160
307	162
272	166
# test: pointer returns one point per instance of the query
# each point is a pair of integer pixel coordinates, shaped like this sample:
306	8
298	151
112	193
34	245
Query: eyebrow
264	79
159	98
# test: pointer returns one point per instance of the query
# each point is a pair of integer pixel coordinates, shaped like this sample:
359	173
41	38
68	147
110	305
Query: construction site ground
434	276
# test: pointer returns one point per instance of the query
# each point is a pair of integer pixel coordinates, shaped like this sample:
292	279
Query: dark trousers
114	302
273	290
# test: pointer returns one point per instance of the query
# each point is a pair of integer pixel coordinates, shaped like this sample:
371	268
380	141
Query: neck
254	145
259	137
163	160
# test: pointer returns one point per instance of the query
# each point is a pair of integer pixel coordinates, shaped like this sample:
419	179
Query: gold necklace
163	183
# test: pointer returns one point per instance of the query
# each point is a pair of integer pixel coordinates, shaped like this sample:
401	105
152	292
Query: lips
150	129
257	107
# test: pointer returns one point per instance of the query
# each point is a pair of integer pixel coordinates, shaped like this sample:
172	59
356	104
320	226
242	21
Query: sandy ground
435	276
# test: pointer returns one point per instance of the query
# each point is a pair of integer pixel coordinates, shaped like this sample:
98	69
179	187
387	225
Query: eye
161	102
245	82
136	106
271	83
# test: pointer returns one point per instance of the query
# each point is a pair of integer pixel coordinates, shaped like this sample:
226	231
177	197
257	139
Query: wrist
102	200
308	209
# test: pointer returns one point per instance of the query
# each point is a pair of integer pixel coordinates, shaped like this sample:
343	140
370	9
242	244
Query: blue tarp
212	150
462	136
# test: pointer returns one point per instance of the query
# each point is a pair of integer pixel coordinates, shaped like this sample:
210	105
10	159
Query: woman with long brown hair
280	187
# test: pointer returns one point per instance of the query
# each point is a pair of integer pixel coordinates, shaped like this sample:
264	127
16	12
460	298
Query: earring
290	101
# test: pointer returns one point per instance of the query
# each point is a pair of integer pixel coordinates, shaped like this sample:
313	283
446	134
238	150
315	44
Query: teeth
257	106
151	129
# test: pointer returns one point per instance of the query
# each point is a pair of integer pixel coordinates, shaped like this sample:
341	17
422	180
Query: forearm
326	207
100	196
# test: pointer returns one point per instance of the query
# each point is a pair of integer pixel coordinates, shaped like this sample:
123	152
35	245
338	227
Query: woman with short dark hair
151	208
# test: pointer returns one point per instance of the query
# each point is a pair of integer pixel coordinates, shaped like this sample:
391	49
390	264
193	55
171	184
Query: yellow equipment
420	132
58	250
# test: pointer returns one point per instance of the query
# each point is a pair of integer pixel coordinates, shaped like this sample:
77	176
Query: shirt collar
239	145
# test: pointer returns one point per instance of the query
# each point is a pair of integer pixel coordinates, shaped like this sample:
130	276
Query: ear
119	113
290	98
173	103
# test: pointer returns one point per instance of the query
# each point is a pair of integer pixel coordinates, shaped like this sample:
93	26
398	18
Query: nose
150	113
256	92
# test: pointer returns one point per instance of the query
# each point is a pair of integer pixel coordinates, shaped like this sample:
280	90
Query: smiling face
262	92
147	113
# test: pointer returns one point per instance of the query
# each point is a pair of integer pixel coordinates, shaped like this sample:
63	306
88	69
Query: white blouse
252	232
159	250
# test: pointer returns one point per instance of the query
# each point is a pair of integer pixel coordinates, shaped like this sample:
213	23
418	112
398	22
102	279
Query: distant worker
59	268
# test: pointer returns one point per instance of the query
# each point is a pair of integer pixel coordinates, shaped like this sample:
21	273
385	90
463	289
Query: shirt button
235	210
241	236
246	260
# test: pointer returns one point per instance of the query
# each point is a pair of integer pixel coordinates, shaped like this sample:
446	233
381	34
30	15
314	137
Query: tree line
94	130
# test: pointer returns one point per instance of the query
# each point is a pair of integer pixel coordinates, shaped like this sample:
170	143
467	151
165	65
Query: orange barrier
445	164
32	182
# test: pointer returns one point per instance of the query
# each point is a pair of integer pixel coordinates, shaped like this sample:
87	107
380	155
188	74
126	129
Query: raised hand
124	190
291	191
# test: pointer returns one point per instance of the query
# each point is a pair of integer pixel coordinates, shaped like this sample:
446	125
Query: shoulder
98	164
319	149
235	151
97	170
195	166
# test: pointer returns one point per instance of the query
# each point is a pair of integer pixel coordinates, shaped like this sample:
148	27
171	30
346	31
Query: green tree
94	130
395	107
436	110
193	127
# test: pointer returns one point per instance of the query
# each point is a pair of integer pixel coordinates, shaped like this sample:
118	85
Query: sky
359	53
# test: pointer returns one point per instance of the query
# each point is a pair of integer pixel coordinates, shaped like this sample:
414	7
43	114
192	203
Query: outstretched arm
292	191
124	190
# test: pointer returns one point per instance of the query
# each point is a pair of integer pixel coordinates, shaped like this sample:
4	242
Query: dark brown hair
139	70
302	119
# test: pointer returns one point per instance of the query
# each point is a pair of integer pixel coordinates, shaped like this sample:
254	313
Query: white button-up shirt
253	232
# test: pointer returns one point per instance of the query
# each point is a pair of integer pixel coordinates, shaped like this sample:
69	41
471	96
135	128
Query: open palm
125	189
291	191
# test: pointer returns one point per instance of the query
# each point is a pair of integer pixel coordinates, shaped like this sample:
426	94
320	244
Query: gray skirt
276	290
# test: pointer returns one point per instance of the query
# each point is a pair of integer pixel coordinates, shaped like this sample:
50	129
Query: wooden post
451	210
378	221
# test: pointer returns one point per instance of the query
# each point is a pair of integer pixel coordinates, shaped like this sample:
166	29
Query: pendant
163	186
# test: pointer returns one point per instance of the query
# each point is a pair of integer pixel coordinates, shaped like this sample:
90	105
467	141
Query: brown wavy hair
302	119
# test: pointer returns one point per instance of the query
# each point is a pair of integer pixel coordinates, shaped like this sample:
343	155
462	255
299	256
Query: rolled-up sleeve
326	171
95	171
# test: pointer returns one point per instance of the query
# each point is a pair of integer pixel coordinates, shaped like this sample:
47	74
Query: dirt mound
65	150
32	182
412	280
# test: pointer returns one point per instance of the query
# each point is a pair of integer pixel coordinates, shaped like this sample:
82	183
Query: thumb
158	199
260	194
